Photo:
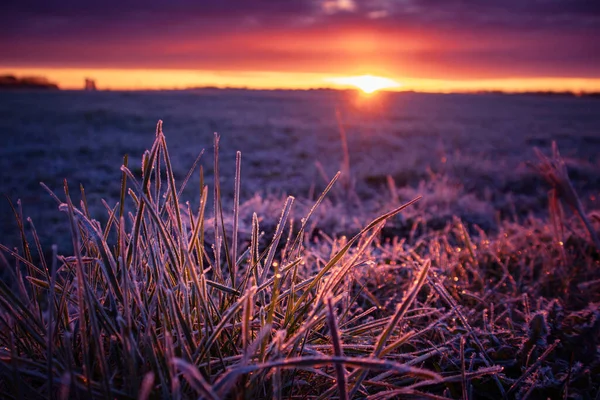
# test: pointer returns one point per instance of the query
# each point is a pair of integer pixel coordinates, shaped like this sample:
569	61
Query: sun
366	83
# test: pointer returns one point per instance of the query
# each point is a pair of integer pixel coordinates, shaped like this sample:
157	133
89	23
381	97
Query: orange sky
139	79
426	45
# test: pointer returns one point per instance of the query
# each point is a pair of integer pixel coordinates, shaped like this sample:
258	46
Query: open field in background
484	288
465	153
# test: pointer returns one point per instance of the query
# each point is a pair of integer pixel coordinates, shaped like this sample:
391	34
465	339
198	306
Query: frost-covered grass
217	301
471	147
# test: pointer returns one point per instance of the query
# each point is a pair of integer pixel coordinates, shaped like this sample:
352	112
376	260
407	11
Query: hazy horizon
579	87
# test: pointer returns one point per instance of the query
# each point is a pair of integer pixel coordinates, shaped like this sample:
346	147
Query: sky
430	45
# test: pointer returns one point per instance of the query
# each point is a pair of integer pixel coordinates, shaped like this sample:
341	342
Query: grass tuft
167	302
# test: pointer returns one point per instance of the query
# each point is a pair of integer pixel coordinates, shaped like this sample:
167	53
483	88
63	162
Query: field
485	287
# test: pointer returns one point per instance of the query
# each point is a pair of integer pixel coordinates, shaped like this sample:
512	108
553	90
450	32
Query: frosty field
449	260
465	153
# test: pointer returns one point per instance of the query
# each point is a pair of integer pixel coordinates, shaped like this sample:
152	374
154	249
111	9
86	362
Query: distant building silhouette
90	84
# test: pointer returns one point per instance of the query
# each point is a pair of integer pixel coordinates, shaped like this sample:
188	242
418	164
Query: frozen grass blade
190	172
146	388
217	210
345	153
80	292
533	366
19	219
555	172
278	233
337	350
236	213
462	369
195	379
298	240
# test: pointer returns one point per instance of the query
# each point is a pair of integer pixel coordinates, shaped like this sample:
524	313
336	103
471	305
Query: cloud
335	6
30	16
466	38
378	14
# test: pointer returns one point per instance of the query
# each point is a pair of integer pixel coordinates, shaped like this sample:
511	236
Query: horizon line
155	80
549	92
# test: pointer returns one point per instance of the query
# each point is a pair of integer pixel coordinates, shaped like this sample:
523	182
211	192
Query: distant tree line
26	82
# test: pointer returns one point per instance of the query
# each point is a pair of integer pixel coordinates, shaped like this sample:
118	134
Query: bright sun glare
366	83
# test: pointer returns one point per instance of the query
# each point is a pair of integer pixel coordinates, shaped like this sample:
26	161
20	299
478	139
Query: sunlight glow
366	83
169	79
